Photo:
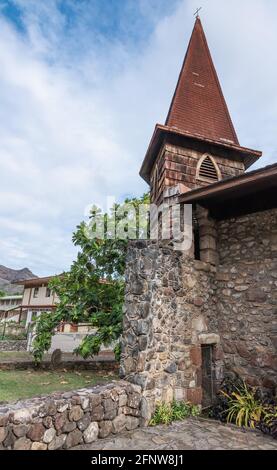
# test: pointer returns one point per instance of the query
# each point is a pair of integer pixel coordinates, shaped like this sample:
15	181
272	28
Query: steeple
198	144
198	105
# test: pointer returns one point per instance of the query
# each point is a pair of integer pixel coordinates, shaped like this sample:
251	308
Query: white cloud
77	113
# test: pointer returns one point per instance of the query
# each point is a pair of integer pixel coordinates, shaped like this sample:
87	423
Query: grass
18	384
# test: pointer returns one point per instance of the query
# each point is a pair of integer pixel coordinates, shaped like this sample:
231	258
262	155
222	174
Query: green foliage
93	290
270	415
162	414
2	293
244	409
182	410
117	351
166	413
45	327
268	423
243	405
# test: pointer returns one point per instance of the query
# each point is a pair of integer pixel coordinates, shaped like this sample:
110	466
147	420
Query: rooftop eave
249	156
238	185
36	281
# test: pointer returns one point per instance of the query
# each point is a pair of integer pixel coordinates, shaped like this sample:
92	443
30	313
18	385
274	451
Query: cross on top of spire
196	14
198	115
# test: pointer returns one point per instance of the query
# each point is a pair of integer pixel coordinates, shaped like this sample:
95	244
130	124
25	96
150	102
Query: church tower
198	144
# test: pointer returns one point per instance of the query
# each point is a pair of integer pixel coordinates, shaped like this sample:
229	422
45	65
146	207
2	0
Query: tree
93	290
2	293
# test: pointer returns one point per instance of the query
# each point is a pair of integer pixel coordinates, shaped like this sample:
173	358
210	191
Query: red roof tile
198	105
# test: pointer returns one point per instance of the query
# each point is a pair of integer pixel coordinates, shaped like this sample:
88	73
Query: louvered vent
208	170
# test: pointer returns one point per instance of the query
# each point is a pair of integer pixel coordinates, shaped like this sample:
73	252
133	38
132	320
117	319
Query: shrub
220	409
166	413
245	406
268	422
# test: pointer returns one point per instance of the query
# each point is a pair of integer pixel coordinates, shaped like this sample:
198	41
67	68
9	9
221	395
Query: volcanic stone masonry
175	305
247	296
65	420
13	345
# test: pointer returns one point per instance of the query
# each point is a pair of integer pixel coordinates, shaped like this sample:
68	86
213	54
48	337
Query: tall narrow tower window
207	170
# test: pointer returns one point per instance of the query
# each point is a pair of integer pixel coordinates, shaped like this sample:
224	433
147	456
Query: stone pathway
191	434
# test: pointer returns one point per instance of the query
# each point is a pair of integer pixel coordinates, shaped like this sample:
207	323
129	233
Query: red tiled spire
198	105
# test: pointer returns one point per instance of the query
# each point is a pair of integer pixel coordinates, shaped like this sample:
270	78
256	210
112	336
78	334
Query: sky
82	85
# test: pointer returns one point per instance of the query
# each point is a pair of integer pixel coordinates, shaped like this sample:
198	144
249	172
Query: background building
7	305
37	297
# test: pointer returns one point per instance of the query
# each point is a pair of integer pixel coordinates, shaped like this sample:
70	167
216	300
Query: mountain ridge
9	275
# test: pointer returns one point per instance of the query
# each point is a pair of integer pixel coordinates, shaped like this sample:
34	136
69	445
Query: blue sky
128	21
82	85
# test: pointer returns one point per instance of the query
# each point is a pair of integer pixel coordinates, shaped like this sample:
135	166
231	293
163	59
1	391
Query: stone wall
247	295
13	345
104	365
65	420
170	310
175	304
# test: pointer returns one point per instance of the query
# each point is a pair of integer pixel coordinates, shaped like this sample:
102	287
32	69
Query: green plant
220	407
166	413
93	290
245	406
268	423
182	410
244	409
162	414
117	351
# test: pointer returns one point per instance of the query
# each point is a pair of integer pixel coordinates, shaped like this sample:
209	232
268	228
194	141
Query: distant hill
8	275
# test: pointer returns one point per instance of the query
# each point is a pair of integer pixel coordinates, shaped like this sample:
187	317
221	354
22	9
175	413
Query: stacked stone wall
247	296
13	345
170	310
175	304
65	420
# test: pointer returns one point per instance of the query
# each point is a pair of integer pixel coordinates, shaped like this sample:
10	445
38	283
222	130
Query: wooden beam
232	185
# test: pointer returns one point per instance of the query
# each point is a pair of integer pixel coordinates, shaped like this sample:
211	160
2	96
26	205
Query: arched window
207	170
